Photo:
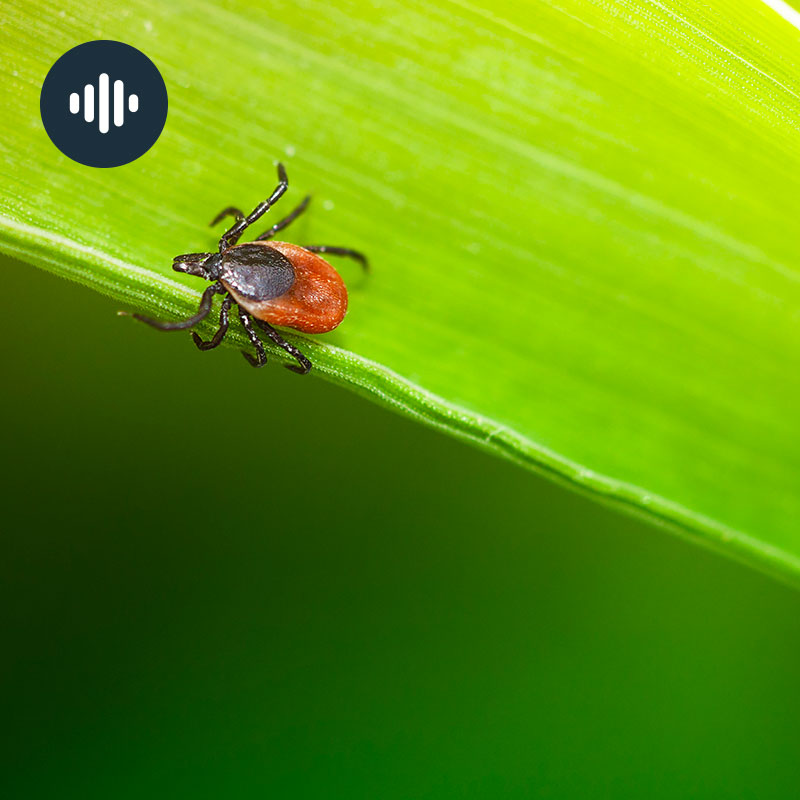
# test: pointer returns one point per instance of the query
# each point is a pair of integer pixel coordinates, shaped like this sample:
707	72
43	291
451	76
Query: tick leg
231	236
232	211
339	251
286	222
304	364
247	324
202	312
216	340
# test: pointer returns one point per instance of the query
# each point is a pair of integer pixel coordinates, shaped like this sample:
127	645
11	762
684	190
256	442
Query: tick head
204	265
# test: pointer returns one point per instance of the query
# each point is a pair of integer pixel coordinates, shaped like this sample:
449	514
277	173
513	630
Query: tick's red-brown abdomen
317	301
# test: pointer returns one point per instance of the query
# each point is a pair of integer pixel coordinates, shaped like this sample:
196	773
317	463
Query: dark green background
222	582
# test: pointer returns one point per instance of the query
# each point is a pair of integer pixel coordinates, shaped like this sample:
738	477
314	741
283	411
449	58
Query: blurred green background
202	598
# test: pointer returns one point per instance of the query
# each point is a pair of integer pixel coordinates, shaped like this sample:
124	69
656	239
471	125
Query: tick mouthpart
204	265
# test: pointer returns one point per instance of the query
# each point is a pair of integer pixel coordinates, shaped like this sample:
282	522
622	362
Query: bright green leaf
582	216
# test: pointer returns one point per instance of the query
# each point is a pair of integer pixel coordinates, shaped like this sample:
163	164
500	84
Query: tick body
270	283
298	290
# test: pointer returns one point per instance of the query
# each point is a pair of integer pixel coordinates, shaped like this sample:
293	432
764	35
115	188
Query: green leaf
582	217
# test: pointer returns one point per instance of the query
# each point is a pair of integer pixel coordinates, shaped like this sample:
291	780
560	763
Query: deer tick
269	282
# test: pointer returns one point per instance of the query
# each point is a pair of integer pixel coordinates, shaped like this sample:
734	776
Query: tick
269	282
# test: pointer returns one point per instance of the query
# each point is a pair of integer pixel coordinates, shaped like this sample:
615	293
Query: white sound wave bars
103	103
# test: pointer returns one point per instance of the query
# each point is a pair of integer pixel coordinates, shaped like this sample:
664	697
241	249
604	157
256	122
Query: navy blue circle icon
103	103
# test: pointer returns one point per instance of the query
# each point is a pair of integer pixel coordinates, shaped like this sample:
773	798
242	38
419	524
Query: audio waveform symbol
103	103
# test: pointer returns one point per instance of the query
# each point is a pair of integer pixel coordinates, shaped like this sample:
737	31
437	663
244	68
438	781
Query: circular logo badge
103	103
